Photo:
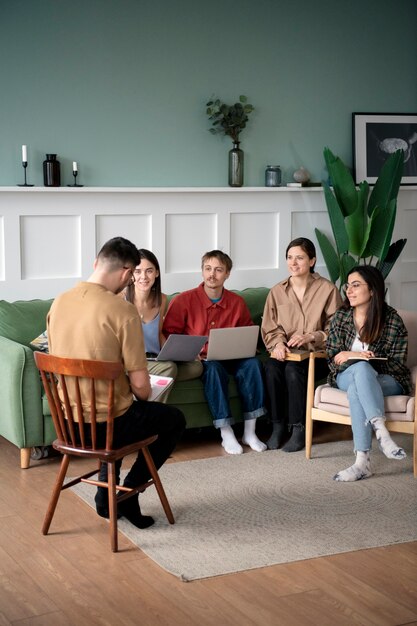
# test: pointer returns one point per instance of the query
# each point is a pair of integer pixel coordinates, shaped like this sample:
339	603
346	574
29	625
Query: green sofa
25	418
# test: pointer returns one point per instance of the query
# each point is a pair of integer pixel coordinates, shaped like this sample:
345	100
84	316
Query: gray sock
386	444
277	435
358	471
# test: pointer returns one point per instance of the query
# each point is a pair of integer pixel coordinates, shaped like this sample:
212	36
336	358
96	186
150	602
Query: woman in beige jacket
297	315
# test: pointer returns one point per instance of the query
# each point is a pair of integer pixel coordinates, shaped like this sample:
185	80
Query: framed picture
376	136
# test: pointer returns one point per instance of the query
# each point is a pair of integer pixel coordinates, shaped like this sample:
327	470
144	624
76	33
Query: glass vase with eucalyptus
236	159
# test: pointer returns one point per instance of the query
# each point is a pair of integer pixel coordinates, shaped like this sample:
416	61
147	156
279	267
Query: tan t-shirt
90	322
284	316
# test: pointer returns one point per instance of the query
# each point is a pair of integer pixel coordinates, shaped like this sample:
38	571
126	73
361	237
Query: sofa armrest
21	415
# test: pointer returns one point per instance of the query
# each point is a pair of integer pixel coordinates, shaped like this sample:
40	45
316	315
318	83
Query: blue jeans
366	390
248	376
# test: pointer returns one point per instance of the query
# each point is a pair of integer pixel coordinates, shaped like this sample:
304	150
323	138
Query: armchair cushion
399	408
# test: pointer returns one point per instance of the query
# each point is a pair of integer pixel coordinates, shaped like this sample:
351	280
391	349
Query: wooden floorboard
71	577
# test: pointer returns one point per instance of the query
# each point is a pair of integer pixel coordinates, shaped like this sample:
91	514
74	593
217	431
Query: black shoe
103	511
277	435
130	509
102	503
297	440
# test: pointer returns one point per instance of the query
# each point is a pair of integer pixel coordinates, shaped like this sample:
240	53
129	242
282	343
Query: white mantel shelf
157	189
49	236
69	189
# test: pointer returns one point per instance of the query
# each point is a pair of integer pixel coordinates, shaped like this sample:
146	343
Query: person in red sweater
208	306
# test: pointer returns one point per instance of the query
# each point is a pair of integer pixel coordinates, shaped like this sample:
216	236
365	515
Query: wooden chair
68	374
327	404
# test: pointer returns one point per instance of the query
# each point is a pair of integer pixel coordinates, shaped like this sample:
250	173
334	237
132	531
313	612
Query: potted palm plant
230	120
362	223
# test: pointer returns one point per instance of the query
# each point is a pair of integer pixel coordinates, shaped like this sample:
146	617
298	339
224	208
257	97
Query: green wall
120	86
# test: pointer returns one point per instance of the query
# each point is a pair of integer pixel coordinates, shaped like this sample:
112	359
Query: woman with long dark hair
365	326
146	294
297	314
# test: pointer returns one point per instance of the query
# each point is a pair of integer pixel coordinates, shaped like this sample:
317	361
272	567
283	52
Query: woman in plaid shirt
365	326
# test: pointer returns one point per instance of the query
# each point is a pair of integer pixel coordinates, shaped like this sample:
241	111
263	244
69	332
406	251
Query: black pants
140	421
286	388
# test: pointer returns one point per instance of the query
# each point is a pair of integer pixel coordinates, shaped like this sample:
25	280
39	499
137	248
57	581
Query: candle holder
25	184
75	174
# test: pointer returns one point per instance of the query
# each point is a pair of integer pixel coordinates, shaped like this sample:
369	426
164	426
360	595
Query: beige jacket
284	316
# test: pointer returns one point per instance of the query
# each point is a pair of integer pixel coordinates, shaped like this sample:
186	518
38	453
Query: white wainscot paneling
2	251
188	237
50	246
50	236
136	228
409	227
254	240
409	295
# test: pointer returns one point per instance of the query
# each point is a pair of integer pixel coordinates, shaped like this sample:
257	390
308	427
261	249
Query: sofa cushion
23	320
255	298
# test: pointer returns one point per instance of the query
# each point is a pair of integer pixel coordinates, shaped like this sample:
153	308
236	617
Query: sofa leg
24	458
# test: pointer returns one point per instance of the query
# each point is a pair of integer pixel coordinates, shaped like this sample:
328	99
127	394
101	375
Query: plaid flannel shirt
392	343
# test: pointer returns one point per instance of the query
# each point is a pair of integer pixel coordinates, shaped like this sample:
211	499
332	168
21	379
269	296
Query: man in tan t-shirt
90	322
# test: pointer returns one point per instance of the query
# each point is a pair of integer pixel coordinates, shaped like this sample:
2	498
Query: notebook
180	348
232	343
159	385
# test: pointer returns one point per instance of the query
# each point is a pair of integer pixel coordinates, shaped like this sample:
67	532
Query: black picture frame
376	136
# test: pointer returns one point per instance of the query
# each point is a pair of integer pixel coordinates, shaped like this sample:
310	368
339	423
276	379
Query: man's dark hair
221	256
119	252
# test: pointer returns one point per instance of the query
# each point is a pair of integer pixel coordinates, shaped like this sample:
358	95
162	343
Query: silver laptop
232	343
180	348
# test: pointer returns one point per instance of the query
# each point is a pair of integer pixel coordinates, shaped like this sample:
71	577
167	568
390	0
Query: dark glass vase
51	171
236	165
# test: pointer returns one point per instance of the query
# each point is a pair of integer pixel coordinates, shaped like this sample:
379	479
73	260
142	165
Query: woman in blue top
145	293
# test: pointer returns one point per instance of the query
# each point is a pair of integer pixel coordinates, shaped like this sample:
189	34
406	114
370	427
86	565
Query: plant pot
236	166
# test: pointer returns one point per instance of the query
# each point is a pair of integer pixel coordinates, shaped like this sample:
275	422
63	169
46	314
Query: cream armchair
327	404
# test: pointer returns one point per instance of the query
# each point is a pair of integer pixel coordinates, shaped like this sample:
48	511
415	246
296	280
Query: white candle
74	166
24	154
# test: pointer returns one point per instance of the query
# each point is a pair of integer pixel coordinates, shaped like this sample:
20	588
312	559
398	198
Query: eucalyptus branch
227	119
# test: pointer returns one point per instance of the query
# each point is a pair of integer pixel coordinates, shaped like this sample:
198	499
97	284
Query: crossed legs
366	390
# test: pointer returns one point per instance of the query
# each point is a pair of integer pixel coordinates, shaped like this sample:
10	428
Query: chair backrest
410	320
72	384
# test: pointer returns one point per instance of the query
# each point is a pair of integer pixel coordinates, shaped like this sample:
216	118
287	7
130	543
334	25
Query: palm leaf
357	222
347	263
330	255
388	182
380	232
337	221
342	183
394	251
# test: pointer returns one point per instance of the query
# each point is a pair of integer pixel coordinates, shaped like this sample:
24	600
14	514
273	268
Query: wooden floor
71	577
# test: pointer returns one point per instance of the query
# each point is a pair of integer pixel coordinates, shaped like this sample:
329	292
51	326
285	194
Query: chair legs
309	436
55	493
111	486
157	482
111	477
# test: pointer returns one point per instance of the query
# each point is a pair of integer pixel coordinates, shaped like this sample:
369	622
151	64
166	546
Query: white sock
249	437
359	470
229	441
386	444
